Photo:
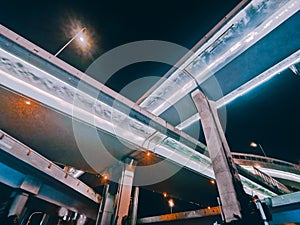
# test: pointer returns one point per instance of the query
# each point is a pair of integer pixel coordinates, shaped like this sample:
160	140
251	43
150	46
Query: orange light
171	203
27	102
208	207
148	153
165	194
253	144
212	181
105	177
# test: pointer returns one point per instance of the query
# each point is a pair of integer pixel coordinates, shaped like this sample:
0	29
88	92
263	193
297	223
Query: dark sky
268	115
113	23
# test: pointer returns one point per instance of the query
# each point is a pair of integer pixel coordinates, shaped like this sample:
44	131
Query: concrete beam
211	211
284	200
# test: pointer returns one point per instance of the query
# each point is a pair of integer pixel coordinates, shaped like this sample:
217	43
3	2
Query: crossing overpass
51	85
60	112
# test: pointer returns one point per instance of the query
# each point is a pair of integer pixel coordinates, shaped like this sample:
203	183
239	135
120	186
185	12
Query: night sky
112	23
268	115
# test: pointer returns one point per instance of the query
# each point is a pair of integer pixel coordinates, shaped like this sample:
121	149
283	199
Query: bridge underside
62	131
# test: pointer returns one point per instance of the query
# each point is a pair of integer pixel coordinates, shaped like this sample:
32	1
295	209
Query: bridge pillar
17	207
235	202
135	203
108	204
124	195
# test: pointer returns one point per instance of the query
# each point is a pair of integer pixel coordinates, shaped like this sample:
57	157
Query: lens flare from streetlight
171	203
81	39
212	181
253	144
86	41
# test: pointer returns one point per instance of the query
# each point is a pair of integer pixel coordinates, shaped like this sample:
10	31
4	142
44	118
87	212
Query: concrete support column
107	207
125	193
135	203
18	205
228	181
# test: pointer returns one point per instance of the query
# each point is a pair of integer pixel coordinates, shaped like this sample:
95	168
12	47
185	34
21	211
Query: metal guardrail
12	147
276	162
271	180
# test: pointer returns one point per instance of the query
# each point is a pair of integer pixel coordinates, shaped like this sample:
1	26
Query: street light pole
171	205
261	148
254	145
78	33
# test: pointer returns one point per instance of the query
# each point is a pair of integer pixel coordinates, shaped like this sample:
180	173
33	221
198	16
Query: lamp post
171	204
254	145
81	39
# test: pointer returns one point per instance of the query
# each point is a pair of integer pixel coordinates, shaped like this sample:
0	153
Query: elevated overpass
24	169
61	112
286	172
51	85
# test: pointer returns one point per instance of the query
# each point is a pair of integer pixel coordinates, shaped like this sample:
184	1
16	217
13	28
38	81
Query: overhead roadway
225	54
30	71
283	171
75	100
54	85
24	169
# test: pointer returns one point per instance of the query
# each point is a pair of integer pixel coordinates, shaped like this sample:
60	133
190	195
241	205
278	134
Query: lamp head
253	144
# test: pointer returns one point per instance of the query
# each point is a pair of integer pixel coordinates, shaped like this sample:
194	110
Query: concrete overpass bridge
79	124
285	172
56	188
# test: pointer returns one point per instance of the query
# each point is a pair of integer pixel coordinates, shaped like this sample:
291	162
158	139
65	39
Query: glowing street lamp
255	145
78	35
171	204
